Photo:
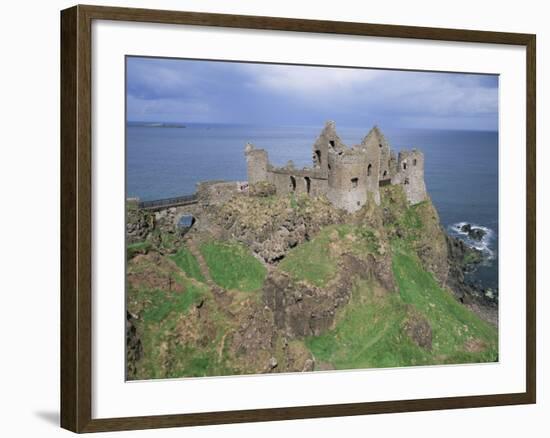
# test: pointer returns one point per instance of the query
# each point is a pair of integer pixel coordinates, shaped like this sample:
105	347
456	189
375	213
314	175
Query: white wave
483	245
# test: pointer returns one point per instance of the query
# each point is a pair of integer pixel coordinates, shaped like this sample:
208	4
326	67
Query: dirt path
220	295
221	346
194	249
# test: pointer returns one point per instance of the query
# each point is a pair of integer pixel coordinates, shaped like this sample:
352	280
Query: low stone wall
219	192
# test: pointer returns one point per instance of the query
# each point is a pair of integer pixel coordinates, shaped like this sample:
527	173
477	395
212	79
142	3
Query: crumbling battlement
348	177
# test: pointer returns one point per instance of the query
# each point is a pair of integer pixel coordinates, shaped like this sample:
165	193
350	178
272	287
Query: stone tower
372	149
410	174
257	163
347	179
375	139
327	141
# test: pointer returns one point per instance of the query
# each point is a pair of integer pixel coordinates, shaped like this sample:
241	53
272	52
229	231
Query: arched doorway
307	181
185	223
292	183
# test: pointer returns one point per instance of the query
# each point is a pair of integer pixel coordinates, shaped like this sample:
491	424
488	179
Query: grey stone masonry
348	176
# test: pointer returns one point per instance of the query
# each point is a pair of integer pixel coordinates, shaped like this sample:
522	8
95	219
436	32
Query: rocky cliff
282	283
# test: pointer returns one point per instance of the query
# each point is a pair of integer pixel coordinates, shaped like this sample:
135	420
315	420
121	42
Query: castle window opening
318	156
414	162
406	181
385	173
369	169
354	182
379	144
331	142
307	180
293	183
404	165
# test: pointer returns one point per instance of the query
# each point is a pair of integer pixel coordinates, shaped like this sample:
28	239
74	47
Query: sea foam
483	245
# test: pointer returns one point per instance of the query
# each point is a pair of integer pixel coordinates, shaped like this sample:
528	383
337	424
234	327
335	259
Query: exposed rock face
139	223
255	333
260	347
301	310
474	233
419	330
262	189
166	219
272	229
371	269
461	260
432	244
458	252
134	349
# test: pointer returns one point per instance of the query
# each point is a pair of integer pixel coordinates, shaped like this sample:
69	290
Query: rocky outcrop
134	348
255	334
462	260
301	310
139	224
272	227
378	269
262	189
473	232
419	330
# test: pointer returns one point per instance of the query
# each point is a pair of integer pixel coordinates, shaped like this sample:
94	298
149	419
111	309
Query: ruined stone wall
327	141
300	182
410	174
219	192
372	169
376	140
393	164
347	179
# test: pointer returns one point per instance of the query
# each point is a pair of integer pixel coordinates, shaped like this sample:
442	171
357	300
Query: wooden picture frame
76	217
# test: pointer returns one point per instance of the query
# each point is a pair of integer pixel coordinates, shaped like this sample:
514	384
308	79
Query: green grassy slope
454	326
187	261
311	261
370	333
232	266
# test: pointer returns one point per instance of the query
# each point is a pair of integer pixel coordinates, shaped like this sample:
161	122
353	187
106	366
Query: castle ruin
348	176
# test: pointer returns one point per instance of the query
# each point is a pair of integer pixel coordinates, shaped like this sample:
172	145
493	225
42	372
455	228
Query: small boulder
473	232
477	234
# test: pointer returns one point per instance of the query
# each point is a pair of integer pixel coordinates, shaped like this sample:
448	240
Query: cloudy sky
173	90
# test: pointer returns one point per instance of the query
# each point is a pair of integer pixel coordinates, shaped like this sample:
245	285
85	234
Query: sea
461	168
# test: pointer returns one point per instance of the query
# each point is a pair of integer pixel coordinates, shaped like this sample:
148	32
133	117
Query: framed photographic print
269	218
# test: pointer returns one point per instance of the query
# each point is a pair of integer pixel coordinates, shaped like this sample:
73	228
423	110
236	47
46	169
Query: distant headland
157	124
